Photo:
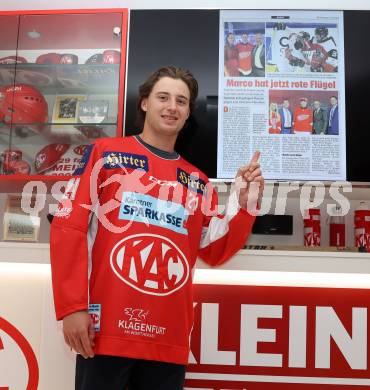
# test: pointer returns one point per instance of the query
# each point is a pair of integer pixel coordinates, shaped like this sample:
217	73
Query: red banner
254	338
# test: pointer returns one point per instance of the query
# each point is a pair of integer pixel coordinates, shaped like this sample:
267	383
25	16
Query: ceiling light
34	34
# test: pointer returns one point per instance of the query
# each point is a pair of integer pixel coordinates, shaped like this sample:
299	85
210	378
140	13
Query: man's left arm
223	235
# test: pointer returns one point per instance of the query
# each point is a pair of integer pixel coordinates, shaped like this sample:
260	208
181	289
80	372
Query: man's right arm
69	255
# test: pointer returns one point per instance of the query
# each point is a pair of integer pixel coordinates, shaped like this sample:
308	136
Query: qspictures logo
136	323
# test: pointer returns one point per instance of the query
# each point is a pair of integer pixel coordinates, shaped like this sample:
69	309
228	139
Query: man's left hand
250	183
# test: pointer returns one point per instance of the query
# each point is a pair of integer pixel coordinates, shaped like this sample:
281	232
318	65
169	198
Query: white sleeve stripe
91	235
233	206
219	227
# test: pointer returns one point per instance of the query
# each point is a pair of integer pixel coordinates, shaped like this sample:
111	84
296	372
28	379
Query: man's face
286	103
333	101
316	104
259	39
303	103
167	107
245	38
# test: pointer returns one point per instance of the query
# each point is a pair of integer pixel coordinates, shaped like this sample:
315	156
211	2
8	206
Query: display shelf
41	133
48	149
38	124
15	183
51	79
24	252
244	260
297	261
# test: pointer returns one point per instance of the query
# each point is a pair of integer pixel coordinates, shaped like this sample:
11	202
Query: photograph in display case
93	111
18	225
65	108
65	114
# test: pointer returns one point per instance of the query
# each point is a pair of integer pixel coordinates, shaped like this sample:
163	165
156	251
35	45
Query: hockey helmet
48	59
22	103
70	59
48	156
20	167
111	57
321	33
304	35
12	60
95	59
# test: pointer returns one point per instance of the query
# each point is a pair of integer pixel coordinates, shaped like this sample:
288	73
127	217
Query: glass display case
61	87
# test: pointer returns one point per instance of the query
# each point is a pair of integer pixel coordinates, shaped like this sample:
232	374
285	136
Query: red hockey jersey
245	58
303	119
124	241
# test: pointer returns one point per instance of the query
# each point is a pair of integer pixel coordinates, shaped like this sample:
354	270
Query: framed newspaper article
18	225
282	92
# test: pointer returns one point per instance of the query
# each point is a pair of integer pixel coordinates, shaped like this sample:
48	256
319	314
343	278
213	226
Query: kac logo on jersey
191	182
80	149
150	263
125	160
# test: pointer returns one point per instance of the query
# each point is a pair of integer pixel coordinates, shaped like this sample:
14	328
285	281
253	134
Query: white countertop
252	260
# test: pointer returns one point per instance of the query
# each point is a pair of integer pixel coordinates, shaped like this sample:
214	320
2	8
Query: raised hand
250	183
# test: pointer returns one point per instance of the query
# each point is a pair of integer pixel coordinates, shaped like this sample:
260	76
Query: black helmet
304	35
321	32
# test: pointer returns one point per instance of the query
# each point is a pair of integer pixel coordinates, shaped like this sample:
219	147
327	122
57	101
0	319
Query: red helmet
12	60
48	156
49	58
111	57
55	58
20	166
69	59
22	103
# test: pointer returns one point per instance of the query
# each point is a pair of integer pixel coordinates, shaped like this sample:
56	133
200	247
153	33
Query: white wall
229	4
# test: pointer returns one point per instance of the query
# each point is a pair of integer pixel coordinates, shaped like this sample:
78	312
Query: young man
303	118
245	56
122	279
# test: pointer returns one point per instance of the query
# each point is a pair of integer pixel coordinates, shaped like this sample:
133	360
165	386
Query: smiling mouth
169	117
